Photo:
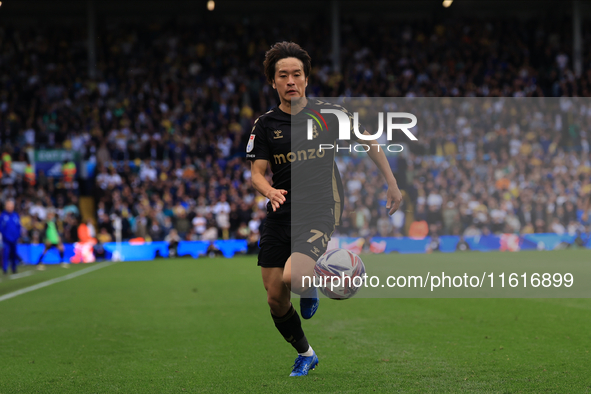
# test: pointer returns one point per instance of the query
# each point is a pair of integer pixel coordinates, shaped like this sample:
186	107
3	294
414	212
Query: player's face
9	206
290	80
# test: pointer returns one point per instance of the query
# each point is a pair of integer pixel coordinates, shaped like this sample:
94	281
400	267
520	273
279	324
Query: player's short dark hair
282	50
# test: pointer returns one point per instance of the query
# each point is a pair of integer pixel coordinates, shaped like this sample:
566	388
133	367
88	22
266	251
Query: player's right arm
262	185
258	152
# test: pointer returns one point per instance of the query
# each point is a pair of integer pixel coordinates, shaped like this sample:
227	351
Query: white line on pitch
21	275
56	280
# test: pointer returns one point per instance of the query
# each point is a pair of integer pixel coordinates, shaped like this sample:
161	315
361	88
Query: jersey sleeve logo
250	145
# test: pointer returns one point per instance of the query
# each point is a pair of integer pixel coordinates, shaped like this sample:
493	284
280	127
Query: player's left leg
309	242
13	257
297	276
298	269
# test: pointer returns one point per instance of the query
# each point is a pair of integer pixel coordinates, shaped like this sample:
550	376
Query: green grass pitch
185	325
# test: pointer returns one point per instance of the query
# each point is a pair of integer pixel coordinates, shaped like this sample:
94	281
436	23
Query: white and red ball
344	265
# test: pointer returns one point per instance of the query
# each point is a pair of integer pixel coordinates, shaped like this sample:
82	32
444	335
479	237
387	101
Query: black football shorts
280	240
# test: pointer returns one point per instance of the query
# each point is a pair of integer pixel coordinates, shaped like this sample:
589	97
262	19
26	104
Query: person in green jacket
52	240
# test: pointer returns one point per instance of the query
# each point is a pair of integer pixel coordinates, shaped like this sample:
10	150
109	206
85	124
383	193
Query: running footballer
291	243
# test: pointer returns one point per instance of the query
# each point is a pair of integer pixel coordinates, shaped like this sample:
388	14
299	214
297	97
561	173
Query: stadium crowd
167	121
512	167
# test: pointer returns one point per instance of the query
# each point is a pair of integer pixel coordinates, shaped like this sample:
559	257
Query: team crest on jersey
250	145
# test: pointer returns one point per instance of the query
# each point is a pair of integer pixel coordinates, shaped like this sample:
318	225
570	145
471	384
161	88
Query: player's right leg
40	265
275	251
278	296
287	321
298	274
309	241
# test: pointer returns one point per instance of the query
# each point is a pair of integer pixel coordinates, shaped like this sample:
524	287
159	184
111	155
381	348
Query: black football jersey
300	166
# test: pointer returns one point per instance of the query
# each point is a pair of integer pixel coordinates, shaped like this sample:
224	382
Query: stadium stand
166	123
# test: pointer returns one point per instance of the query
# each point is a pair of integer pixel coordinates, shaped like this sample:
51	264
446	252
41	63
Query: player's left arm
394	195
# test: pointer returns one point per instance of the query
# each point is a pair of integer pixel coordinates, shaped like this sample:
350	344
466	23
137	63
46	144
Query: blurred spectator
211	233
51	239
213	251
173	240
70	229
72	207
182	224
384	224
243	231
155	232
418	229
10	230
253	242
221	210
462	245
104	237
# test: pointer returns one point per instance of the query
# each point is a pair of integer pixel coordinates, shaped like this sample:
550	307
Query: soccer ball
339	273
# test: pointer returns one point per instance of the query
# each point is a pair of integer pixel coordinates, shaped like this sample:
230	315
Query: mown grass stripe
53	281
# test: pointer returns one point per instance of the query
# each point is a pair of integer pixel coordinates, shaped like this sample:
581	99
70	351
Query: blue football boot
303	364
309	306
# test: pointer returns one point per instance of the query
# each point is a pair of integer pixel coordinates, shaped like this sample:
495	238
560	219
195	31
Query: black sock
41	258
290	326
61	256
